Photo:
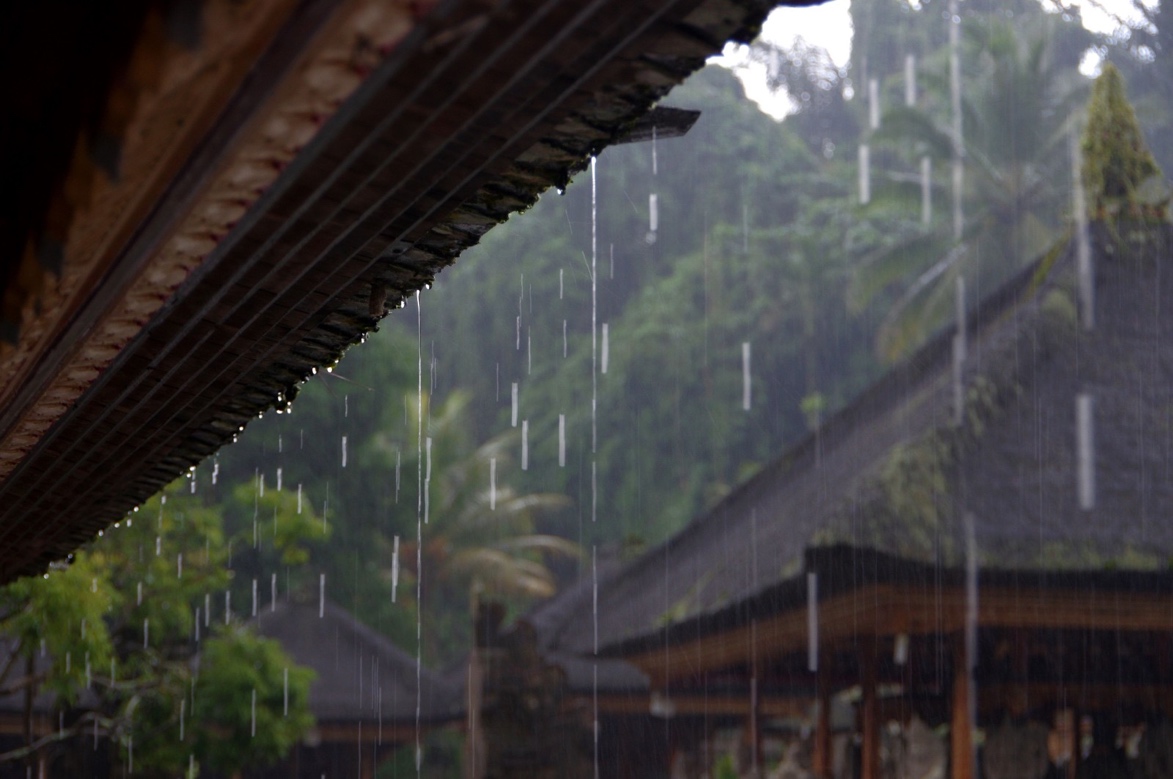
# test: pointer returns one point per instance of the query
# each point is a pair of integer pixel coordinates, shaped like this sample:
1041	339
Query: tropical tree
1017	116
120	637
479	536
1119	173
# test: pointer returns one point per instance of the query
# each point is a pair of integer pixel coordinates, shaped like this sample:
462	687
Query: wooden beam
699	705
891	610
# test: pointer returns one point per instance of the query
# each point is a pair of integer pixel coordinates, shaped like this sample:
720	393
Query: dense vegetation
742	245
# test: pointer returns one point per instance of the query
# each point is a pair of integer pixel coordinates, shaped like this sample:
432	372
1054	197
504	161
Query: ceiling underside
471	116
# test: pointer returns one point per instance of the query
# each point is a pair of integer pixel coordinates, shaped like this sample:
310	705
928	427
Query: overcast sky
829	27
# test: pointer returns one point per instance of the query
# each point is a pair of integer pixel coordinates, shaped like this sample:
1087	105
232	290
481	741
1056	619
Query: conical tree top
1117	162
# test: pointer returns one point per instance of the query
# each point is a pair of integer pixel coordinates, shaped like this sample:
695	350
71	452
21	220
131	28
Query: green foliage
1020	95
479	542
1117	164
120	621
46	614
234	667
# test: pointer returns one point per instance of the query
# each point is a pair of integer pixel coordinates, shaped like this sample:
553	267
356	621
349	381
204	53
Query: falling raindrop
865	174
926	190
561	440
146	633
227	606
207	607
273	593
564	339
428	479
653	218
1083	253
655	154
321	596
746	381
910	80
299	498
606	349
278	479
398	457
595	304
179	566
1085	435
394	568
525	444
492	483
900	649
594	491
515	404
139	599
343	451
874	103
254	596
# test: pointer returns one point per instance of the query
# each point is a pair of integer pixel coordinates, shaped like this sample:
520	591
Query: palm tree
1018	119
480	539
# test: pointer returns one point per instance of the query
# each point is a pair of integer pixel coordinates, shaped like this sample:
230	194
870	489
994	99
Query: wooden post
366	764
821	759
869	715
961	727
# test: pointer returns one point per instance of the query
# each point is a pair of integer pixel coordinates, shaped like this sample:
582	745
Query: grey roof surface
361	674
1012	467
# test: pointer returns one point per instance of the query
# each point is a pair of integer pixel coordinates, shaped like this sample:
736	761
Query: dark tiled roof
472	115
1011	467
361	674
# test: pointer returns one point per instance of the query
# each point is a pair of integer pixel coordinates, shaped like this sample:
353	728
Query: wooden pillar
869	715
961	756
821	759
474	742
366	763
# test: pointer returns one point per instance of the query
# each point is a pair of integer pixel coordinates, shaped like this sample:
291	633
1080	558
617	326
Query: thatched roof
361	674
893	472
337	160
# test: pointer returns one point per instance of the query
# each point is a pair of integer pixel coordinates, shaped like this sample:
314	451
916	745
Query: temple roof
361	674
896	474
267	180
